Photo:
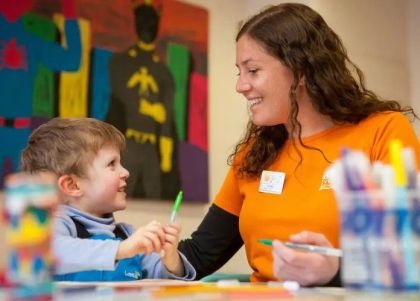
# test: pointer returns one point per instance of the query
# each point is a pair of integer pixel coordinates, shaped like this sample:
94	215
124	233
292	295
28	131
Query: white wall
375	35
413	54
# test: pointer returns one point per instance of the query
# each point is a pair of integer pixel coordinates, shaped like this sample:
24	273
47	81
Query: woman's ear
68	185
302	81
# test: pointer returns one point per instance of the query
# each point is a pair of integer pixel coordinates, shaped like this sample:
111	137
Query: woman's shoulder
385	121
385	127
386	117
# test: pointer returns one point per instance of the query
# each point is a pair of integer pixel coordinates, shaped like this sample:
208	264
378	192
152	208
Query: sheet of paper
128	284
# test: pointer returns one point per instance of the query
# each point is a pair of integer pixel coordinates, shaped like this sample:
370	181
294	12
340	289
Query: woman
305	106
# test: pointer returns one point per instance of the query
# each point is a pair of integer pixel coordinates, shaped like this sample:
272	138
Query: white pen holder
380	239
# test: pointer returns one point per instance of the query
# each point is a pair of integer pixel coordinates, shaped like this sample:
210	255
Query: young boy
84	154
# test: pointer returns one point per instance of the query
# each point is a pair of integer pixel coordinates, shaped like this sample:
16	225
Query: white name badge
272	182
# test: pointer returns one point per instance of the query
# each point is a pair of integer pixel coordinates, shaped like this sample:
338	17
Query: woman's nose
242	85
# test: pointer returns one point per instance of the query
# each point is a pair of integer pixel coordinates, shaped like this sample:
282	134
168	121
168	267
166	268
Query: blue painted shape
12	142
38	265
14	261
20	54
100	83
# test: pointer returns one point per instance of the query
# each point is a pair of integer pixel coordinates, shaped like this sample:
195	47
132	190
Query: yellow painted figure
142	106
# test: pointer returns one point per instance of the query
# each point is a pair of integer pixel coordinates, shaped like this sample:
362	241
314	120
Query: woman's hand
306	268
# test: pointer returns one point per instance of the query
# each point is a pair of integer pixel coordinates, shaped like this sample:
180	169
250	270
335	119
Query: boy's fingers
170	230
154	239
170	238
174	229
145	244
159	232
175	225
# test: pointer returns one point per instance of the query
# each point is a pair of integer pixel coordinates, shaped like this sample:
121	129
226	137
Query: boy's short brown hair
68	145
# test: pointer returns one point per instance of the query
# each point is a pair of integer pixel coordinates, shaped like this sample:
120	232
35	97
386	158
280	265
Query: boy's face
104	187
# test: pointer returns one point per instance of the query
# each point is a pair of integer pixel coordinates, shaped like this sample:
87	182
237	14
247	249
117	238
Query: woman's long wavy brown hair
301	39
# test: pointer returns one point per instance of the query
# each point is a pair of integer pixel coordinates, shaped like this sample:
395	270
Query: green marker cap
178	201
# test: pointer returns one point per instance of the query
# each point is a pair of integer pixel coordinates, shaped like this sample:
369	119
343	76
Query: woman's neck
310	119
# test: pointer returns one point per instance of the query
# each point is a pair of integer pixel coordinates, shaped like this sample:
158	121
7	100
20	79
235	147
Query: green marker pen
267	242
176	206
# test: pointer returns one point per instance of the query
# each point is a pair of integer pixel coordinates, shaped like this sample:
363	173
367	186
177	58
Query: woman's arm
215	241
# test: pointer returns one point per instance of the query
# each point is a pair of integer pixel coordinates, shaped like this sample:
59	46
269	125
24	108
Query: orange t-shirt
305	204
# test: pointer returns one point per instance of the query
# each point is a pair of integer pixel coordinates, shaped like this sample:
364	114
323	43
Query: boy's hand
171	258
145	240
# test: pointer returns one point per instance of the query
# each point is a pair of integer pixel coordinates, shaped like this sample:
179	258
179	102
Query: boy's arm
172	259
67	248
172	264
153	267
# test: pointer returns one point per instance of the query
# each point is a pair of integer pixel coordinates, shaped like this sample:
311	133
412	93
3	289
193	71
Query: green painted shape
43	88
179	65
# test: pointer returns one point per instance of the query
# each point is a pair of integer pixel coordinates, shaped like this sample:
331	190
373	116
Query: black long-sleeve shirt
215	241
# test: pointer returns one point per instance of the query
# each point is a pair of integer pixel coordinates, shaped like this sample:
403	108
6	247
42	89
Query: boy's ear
68	185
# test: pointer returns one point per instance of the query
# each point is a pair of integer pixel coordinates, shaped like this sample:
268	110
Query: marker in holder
380	219
29	202
381	245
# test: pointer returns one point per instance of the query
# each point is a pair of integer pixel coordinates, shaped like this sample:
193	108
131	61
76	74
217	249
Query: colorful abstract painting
140	65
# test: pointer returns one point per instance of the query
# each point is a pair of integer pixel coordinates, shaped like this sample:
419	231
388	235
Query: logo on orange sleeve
325	183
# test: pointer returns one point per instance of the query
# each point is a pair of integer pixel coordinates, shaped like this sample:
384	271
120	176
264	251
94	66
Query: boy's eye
112	163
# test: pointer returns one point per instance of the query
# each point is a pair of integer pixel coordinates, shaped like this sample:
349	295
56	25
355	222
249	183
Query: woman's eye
253	71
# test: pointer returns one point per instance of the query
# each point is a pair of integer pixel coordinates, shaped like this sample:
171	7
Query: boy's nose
125	173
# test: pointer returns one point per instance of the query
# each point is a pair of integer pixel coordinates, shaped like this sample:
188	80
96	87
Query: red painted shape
20	123
13	56
197	123
12	10
69	9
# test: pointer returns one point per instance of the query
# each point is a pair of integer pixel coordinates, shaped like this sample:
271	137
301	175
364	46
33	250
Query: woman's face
264	81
